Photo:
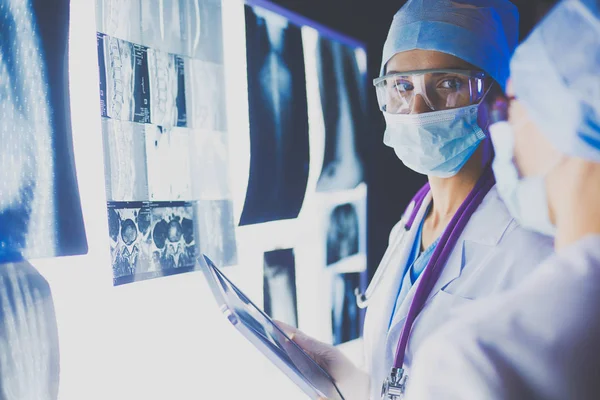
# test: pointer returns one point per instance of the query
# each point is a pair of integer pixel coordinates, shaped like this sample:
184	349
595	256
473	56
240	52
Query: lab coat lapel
385	299
495	225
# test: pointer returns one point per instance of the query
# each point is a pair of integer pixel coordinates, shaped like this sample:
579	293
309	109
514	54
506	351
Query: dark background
391	184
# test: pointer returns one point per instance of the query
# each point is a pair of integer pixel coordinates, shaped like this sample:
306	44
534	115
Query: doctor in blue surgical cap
540	340
456	242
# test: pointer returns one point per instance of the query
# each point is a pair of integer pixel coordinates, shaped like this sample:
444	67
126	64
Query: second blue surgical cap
481	32
555	74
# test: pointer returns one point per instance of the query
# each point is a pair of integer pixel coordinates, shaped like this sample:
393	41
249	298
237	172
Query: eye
451	83
403	85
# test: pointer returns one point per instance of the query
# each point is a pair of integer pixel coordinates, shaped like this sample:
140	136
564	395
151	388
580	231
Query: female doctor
456	241
540	340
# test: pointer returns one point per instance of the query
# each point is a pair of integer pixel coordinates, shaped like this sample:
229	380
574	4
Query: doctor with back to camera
456	241
540	340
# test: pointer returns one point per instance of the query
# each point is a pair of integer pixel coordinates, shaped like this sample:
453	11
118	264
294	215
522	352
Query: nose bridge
420	103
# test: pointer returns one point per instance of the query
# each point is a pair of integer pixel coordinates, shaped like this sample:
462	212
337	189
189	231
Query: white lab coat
538	341
492	254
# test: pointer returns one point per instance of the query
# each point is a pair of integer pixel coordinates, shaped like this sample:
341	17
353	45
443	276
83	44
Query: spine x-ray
40	210
278	118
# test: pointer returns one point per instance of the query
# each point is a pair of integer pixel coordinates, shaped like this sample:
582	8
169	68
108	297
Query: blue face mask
437	143
525	198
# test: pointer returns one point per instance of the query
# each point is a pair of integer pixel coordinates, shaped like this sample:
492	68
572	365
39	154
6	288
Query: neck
449	193
573	194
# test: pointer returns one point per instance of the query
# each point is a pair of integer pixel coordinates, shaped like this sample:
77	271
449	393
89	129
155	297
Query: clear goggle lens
431	90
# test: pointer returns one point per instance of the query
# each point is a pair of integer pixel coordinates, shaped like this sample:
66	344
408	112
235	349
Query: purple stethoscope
394	385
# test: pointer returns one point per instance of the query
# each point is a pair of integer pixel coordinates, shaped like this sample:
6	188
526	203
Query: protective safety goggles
440	89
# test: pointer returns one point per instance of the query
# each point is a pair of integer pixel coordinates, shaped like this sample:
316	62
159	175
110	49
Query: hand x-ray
280	286
278	118
40	210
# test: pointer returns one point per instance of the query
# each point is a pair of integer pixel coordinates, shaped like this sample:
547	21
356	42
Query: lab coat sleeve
453	365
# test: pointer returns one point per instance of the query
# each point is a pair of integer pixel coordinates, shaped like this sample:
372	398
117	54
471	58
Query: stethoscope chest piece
393	387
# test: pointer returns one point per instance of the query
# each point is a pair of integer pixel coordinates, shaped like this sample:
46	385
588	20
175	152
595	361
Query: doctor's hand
350	380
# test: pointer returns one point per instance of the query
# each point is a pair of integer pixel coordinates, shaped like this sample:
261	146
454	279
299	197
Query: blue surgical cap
555	74
481	32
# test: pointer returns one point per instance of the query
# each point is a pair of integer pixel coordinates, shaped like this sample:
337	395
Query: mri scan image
167	89
202	22
125	160
206	87
162	27
40	209
168	163
279	146
120	19
149	240
216	231
125	91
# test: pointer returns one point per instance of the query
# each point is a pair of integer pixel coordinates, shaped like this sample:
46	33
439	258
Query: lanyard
438	260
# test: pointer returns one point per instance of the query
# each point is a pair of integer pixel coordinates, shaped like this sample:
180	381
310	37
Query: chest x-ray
344	113
40	210
278	118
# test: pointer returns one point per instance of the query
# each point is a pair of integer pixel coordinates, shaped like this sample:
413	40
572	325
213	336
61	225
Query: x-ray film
40	210
126	89
216	231
342	99
279	286
210	163
342	233
125	160
149	240
345	315
279	162
203	29
162	25
120	18
206	88
168	163
167	89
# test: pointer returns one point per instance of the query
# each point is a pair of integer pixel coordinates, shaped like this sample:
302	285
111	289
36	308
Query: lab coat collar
485	228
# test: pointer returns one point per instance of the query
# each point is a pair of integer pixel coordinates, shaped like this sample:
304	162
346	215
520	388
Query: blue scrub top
416	263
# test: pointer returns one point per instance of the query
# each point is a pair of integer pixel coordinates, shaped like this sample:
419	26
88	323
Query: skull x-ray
279	286
345	315
344	113
279	144
40	210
